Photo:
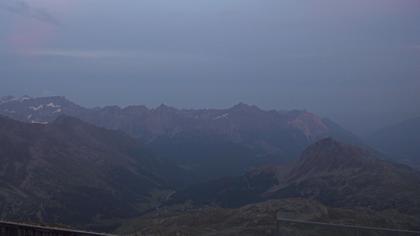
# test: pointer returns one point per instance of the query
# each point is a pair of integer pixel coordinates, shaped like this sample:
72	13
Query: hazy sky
356	61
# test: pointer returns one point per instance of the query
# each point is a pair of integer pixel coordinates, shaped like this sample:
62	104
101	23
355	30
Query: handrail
355	227
38	227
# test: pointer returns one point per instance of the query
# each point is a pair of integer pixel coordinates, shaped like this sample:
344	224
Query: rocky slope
343	175
74	173
332	182
260	219
335	174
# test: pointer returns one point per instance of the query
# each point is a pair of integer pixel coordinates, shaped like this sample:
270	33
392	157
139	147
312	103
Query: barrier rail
335	229
20	229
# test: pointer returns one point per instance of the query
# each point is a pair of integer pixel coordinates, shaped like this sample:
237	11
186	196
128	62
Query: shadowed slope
75	173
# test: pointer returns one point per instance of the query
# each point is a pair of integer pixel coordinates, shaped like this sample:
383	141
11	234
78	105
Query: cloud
84	54
139	56
22	8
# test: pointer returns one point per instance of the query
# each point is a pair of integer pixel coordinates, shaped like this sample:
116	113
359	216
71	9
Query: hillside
342	175
71	172
335	174
260	219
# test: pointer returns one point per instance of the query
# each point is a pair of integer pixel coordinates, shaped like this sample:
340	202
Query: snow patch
58	110
39	122
36	108
29	117
51	104
24	98
221	116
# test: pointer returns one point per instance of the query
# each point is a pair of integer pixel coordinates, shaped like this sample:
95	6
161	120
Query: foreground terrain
260	219
332	182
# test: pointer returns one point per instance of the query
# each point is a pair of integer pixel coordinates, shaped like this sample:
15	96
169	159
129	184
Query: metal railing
12	229
291	227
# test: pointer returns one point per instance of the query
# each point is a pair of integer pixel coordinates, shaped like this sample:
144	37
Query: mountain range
102	168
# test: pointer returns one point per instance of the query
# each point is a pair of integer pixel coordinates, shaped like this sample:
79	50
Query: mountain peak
164	107
328	156
244	107
329	148
310	124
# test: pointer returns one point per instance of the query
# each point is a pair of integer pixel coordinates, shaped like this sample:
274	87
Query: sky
354	61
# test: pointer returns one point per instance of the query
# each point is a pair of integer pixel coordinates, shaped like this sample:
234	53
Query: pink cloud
33	32
28	34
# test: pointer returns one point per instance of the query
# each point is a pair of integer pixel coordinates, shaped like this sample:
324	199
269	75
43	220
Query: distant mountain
71	172
335	174
39	110
211	142
400	141
342	175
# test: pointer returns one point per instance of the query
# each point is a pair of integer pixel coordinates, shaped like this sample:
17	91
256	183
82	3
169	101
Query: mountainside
335	174
332	182
74	173
343	175
201	140
260	219
400	141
